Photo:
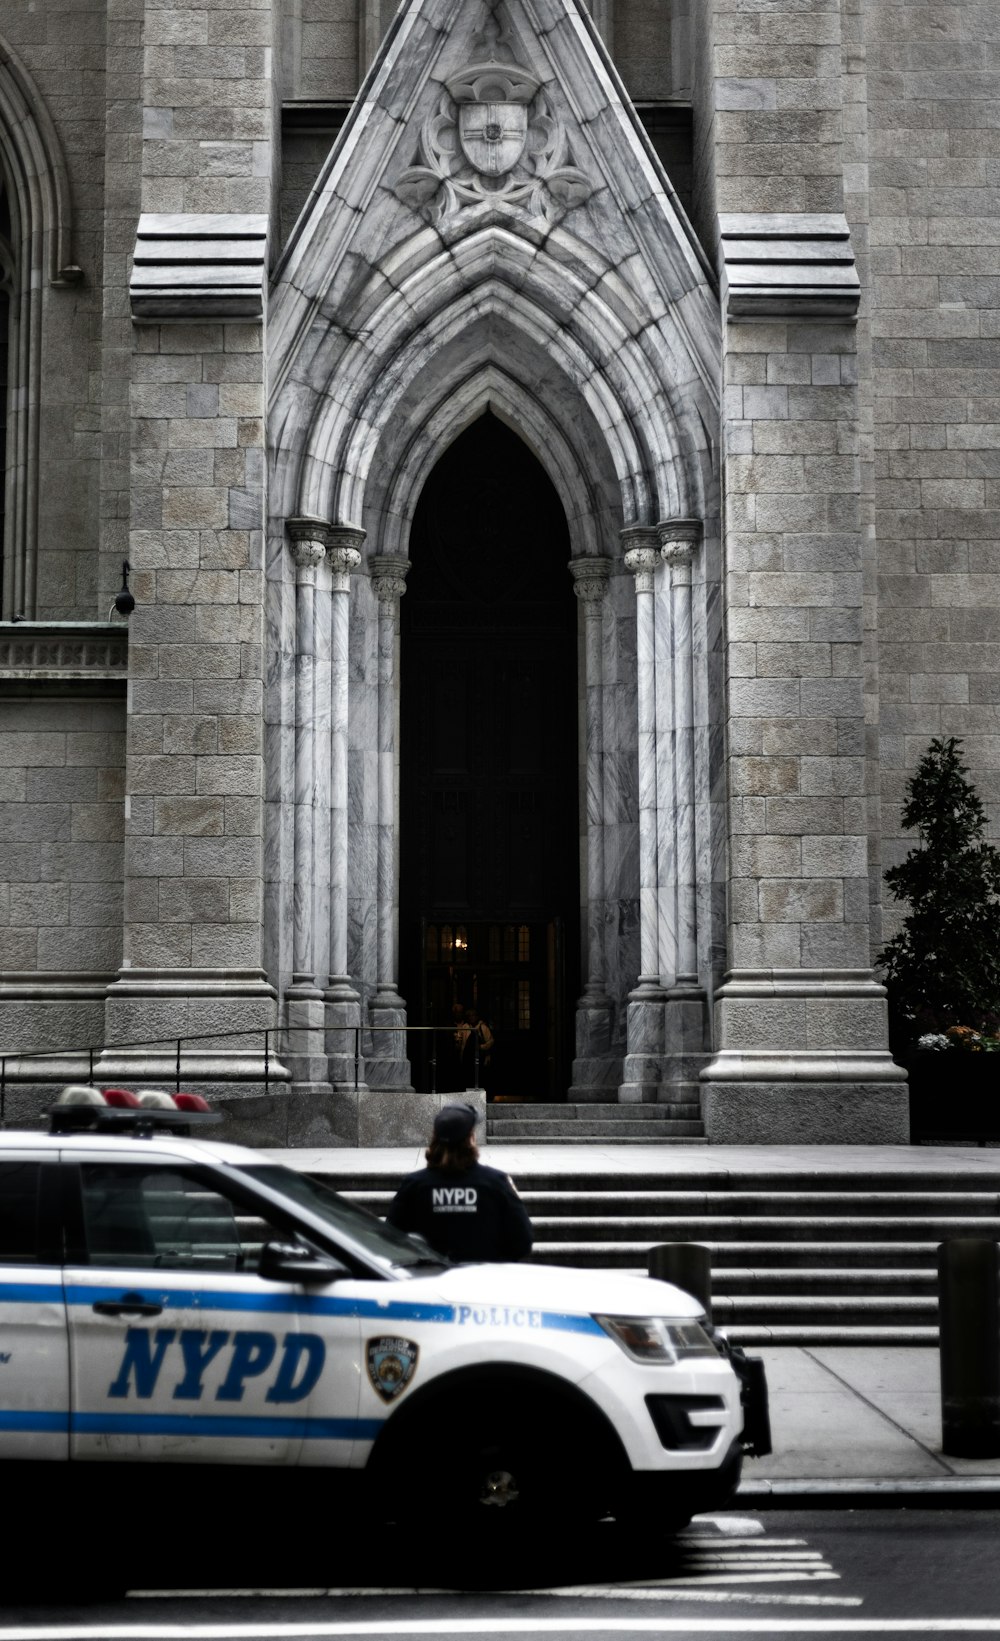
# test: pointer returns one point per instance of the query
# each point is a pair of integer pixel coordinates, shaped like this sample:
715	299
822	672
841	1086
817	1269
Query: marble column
642	1071
594	1069
343	1005
304	999
389	1066
685	1022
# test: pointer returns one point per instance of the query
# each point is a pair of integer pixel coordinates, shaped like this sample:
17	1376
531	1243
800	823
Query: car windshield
367	1232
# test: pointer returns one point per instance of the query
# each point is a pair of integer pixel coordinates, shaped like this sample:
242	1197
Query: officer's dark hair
454	1156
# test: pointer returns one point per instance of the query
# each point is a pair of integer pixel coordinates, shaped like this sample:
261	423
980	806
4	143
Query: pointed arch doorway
489	804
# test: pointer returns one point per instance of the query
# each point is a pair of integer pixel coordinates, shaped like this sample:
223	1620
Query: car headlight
657	1338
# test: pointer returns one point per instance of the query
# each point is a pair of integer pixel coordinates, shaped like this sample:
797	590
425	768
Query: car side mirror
288	1262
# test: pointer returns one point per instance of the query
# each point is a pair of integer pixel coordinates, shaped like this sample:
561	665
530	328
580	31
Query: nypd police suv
168	1301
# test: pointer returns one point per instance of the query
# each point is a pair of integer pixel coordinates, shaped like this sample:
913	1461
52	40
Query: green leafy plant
942	970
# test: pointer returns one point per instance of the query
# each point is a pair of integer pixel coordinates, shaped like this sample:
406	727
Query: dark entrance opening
489	810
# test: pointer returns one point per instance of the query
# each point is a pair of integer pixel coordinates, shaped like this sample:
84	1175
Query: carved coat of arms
494	136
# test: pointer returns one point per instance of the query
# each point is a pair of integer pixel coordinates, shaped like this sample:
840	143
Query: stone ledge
794	265
190	266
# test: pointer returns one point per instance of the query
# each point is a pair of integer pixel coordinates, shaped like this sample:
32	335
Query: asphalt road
831	1573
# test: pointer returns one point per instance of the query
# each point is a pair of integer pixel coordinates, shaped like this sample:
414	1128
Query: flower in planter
964	1038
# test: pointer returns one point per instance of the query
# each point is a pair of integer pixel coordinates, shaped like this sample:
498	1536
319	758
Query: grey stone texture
843	473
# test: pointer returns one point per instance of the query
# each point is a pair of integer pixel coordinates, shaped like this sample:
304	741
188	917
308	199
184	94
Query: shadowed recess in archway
489	885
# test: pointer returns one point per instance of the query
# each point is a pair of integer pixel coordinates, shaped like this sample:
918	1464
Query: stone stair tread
585	1137
802	1257
673	1202
575	1111
803	1334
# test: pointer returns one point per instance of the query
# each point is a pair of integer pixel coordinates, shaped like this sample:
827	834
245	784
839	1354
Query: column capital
389	572
343	553
679	541
308	540
642	554
590	578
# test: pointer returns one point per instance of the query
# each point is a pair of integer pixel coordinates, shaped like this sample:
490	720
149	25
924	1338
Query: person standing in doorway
465	1210
476	1050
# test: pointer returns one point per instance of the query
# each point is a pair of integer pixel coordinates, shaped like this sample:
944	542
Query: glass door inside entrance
508	976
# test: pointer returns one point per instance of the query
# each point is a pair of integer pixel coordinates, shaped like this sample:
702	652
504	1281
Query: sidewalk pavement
850	1424
855	1424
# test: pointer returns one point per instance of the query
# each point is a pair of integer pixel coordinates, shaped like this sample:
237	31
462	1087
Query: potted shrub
942	970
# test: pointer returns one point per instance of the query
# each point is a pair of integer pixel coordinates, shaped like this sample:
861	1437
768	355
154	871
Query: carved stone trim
641	555
343	552
389	577
41	650
590	578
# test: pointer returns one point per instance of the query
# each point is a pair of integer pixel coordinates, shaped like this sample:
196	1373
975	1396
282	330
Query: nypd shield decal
391	1365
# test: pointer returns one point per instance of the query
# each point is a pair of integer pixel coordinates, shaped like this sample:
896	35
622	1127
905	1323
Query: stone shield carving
494	137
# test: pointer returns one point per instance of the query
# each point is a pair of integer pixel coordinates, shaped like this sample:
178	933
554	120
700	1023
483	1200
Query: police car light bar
141	1121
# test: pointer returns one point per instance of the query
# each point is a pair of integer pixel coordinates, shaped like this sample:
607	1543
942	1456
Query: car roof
132	1145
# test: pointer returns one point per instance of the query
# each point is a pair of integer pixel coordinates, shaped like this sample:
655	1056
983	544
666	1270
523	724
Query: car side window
19	1181
163	1218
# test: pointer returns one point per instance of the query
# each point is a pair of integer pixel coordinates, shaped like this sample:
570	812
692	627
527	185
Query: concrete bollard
969	1306
687	1265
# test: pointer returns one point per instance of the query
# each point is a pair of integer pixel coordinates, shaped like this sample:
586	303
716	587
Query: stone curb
817	1493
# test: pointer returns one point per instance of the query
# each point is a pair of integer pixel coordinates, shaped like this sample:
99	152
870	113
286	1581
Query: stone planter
954	1096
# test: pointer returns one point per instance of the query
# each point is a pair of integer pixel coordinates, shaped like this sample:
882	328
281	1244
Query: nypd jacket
473	1215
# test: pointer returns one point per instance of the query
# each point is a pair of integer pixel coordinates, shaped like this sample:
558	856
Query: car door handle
130	1304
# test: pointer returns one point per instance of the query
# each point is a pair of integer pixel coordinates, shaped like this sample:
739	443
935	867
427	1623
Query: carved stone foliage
493	138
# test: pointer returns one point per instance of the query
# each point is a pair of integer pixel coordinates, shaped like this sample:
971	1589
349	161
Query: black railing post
177	1068
969	1311
267	1060
3	1092
687	1265
357	1057
90	1065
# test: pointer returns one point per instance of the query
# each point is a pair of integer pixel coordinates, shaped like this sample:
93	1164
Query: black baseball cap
455	1122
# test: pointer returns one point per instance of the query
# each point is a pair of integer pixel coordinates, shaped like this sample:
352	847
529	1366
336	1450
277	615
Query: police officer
461	1207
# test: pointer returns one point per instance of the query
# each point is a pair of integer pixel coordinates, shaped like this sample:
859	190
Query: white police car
171	1302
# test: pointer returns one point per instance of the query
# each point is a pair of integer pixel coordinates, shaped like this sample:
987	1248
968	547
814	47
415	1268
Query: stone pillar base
806	1113
642	1071
306	1038
343	1044
685	1034
803	1060
388	1066
209	1028
596	1071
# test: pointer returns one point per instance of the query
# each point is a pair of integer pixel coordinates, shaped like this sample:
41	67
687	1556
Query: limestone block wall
934	158
61	826
62	49
793	615
195	779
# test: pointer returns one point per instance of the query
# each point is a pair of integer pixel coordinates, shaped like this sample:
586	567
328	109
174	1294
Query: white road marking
730	1524
502	1624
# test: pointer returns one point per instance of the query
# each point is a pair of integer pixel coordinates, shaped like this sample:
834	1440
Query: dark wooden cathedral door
489	807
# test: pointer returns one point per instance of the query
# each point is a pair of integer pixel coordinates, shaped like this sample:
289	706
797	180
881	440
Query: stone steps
823	1257
675	1122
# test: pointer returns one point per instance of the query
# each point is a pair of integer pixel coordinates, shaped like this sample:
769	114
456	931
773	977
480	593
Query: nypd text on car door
180	1348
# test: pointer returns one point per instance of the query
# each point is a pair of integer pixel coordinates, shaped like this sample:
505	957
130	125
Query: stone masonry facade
731	270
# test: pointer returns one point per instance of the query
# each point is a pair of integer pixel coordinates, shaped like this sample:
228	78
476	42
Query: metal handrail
92	1050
